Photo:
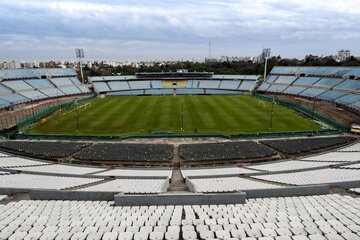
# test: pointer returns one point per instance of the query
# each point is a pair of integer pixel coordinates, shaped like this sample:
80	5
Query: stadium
180	155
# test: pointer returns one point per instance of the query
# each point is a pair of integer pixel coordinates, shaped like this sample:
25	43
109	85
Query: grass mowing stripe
100	111
230	109
152	119
240	112
132	113
193	116
210	105
165	119
114	113
206	114
223	110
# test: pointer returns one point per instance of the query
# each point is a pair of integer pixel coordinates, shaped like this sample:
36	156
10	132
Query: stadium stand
205	172
118	86
297	218
136	172
60	169
303	145
184	83
288	165
220	92
57	149
159	92
322	176
334	157
126	152
229	84
139	85
127	93
228	184
185	91
24	85
31	181
336	84
131	186
9	162
224	151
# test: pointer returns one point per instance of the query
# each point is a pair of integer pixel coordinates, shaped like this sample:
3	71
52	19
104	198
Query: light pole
32	110
77	119
271	114
79	52
182	114
265	68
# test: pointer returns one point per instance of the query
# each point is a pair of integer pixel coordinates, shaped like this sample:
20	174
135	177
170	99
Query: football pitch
142	115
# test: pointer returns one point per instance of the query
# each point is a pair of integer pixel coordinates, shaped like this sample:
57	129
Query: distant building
342	55
266	53
27	65
234	59
13	65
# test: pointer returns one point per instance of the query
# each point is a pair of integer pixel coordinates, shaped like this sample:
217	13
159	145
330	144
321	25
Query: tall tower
79	52
209	50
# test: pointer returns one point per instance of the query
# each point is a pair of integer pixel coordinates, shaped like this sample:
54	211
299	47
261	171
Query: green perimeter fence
337	127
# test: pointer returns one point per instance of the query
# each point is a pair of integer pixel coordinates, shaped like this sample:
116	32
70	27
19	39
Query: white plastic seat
283	232
216	227
33	236
266	232
327	230
350	236
189	235
187	228
156	235
141	236
110	236
222	234
313	230
316	237
94	236
48	236
125	236
206	234
133	229
300	237
253	233
283	238
159	229
64	236
237	233
172	235
298	231
118	229
334	237
79	236
18	236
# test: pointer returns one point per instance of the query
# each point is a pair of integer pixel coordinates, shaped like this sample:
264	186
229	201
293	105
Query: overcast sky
175	29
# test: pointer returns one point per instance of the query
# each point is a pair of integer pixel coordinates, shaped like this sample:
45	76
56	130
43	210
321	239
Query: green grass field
201	114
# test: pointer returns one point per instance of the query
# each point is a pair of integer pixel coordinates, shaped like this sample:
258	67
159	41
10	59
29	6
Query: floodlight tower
265	56
79	52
